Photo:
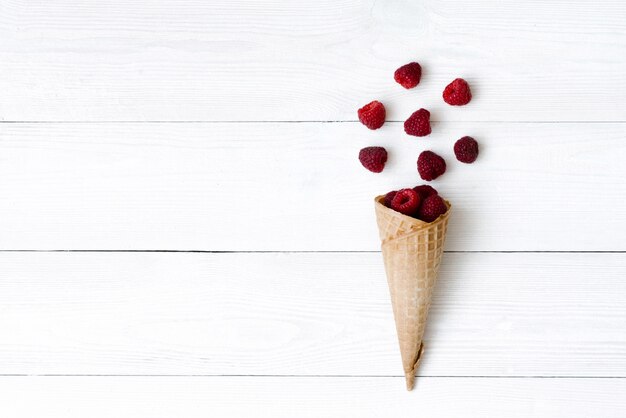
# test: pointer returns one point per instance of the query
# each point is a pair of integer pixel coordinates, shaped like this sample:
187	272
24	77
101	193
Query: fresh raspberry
389	197
406	201
432	208
372	115
457	93
466	149
424	191
430	165
418	124
408	76
373	158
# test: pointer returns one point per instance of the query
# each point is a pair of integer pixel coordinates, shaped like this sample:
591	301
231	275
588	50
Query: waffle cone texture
412	251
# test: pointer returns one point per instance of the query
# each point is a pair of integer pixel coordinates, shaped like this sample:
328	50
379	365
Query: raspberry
457	93
389	197
408	76
406	201
430	165
432	208
373	158
424	191
466	149
418	124
372	115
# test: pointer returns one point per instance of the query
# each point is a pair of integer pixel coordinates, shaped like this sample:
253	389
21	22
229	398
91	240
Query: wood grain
283	60
306	314
549	87
195	397
300	187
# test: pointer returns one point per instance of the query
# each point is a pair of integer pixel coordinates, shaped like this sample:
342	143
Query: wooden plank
191	397
306	314
284	60
266	186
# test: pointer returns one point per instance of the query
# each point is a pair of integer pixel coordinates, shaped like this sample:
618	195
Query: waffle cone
412	251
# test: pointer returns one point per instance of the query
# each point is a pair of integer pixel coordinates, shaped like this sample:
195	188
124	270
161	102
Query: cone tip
410	380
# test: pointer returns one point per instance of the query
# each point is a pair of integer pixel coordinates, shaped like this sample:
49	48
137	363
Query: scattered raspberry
408	76
457	93
418	124
389	197
406	201
372	115
432	208
424	191
430	165
373	158
466	149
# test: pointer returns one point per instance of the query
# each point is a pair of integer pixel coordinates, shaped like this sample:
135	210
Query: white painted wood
275	397
306	314
284	60
298	187
266	186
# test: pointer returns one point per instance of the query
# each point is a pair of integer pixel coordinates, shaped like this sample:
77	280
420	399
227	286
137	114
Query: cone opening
380	202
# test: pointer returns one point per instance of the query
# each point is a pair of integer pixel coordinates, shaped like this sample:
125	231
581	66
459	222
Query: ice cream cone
412	251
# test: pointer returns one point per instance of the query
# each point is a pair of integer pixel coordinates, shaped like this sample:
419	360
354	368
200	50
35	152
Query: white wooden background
185	230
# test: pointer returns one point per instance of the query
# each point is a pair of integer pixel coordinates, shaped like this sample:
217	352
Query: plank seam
295	121
316	376
308	251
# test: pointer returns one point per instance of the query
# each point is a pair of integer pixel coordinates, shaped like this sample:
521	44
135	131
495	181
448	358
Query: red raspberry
389	197
457	93
406	201
430	165
408	76
424	191
372	115
418	124
466	150
373	158
432	208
